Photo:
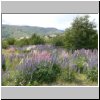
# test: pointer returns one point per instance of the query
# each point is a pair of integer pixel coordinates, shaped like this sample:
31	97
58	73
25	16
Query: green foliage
82	34
9	78
35	39
43	74
58	41
4	44
22	42
80	64
23	31
67	75
46	74
92	74
10	41
7	42
22	78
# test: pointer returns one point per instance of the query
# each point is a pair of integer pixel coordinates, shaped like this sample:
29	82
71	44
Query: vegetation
23	31
92	74
82	34
58	41
5	44
11	41
33	40
70	58
36	40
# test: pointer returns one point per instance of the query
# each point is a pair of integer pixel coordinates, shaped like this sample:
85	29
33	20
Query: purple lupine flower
44	54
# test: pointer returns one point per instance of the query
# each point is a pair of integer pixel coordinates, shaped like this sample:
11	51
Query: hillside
22	31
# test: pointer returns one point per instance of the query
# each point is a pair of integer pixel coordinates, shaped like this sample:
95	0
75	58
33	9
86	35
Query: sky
59	21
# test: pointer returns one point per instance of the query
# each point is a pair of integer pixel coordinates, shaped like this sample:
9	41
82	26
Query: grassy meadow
66	59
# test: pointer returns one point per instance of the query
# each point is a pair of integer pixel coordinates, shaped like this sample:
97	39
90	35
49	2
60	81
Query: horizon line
33	26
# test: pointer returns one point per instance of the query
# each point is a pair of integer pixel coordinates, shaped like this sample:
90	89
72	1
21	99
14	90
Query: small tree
10	41
58	41
82	34
35	39
22	42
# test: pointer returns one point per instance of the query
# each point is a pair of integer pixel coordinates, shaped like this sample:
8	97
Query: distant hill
22	31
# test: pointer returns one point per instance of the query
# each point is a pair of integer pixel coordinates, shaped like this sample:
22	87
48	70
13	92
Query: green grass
79	80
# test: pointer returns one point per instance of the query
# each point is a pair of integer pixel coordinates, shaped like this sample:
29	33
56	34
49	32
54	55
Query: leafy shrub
10	41
58	41
46	74
35	39
22	42
80	62
22	78
43	74
5	45
92	74
67	75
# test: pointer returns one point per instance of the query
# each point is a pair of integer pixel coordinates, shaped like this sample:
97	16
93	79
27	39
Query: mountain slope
21	31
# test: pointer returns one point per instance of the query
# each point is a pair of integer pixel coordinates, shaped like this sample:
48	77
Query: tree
82	34
10	41
35	39
58	41
22	42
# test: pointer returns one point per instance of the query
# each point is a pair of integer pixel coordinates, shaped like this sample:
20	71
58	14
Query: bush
35	39
67	75
10	41
22	79
80	64
46	74
43	74
22	42
92	74
58	41
5	45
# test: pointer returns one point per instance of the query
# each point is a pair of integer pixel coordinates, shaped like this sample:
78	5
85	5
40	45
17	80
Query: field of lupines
49	65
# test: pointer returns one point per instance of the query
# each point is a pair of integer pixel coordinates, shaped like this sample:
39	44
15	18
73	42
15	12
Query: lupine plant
43	63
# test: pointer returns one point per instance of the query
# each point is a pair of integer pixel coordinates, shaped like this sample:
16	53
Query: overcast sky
59	21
